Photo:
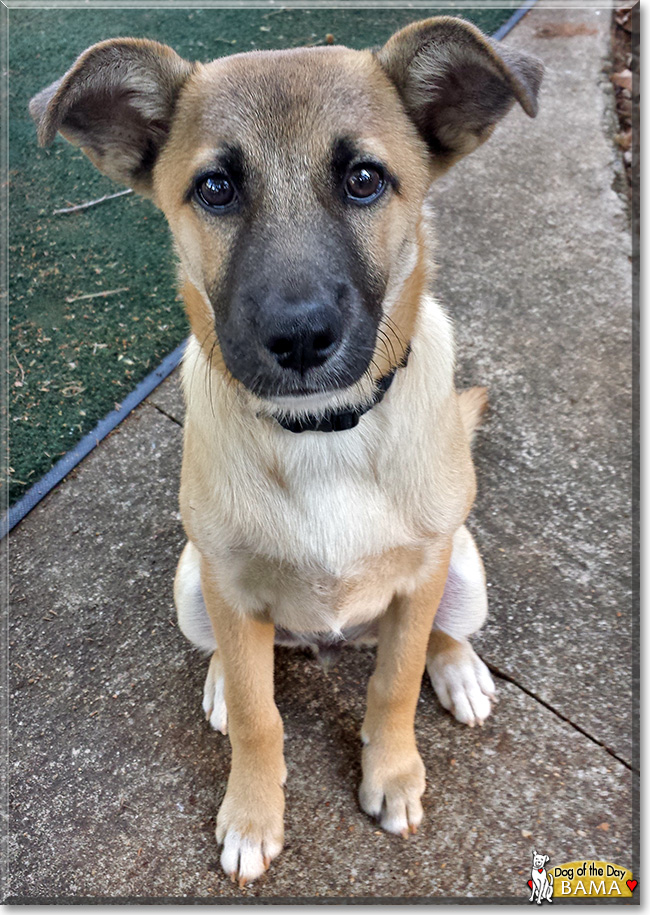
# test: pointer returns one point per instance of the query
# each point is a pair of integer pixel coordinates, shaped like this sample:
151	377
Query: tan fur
473	404
393	772
254	802
321	535
441	642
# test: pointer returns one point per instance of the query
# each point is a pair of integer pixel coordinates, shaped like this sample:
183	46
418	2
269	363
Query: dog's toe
461	681
403	814
469	704
214	700
398	809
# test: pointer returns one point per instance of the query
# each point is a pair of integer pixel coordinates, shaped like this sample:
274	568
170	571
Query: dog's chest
312	598
321	544
322	529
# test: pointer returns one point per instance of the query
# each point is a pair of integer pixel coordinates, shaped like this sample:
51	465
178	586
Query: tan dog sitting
327	472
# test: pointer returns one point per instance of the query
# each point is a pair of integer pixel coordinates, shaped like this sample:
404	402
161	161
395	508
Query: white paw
245	859
214	699
398	810
250	826
462	683
391	789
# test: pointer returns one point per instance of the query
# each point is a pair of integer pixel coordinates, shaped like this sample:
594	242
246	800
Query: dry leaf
622	79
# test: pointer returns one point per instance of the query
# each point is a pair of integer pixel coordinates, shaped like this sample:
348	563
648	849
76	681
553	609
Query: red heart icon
530	884
540	869
631	885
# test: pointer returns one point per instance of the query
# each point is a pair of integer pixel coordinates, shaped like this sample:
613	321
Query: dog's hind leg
460	679
214	695
194	623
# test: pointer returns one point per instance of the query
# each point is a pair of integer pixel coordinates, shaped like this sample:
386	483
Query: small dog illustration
542	882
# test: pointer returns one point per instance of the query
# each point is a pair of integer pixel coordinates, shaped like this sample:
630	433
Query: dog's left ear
456	83
116	102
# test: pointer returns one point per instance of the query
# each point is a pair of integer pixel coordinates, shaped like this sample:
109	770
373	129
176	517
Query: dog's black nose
305	335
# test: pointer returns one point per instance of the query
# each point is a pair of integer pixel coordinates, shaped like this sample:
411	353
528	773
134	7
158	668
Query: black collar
339	420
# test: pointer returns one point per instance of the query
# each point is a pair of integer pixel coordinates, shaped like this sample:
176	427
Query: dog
327	473
542	882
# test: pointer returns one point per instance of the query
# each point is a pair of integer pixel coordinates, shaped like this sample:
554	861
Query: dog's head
294	182
539	860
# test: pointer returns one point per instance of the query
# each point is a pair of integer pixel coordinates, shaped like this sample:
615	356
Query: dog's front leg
393	772
250	820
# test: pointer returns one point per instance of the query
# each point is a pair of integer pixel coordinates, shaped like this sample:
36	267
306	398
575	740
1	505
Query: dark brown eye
364	183
215	191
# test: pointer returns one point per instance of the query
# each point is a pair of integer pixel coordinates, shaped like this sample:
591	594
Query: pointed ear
116	103
456	84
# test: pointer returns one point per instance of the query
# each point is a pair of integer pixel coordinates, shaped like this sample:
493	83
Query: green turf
71	361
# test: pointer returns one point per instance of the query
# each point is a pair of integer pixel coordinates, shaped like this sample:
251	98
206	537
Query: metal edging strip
70	460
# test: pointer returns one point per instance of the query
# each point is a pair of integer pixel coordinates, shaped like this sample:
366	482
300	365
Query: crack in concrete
551	708
165	413
502	675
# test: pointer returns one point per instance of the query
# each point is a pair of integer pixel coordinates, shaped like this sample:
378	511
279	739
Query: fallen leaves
623	79
623	18
563	30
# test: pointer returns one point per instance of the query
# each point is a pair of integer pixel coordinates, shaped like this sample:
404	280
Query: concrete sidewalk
115	778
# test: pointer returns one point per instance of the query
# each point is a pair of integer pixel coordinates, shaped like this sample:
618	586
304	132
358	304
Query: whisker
210	374
196	361
387	342
391	326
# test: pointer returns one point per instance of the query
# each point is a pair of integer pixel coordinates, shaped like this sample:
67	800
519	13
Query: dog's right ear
116	103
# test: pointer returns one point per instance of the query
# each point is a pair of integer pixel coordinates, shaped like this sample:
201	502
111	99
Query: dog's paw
245	859
252	833
461	681
393	783
214	699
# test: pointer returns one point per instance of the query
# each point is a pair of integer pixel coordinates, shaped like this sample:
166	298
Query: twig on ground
22	372
95	295
91	203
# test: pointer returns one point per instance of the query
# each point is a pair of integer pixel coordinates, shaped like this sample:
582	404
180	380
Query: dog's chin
311	402
318	390
310	397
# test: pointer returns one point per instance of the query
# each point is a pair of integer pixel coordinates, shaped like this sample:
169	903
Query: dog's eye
364	183
215	191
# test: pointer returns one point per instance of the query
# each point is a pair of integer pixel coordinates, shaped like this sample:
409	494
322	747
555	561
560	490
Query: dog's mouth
320	399
316	391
